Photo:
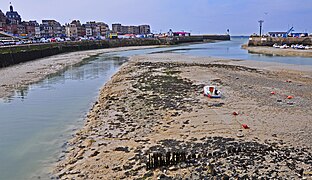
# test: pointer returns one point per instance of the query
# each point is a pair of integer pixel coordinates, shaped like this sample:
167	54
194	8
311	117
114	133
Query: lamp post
261	22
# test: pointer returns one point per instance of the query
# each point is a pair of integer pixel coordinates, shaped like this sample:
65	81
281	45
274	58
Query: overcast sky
197	16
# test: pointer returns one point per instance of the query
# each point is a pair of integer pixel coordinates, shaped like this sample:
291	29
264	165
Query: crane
289	31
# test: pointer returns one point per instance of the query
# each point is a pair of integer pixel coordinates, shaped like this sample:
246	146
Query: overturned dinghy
212	92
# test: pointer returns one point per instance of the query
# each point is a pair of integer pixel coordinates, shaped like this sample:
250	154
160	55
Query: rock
163	177
118	168
186	122
211	170
173	168
127	166
125	149
225	177
95	153
148	174
183	165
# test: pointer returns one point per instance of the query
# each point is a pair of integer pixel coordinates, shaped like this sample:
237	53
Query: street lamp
260	22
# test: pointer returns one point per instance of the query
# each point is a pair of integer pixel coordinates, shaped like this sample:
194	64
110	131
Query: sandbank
154	107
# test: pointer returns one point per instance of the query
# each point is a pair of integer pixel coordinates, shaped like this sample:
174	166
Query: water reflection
38	119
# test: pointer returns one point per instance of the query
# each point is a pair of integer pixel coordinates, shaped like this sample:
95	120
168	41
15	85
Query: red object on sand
235	113
273	92
245	126
290	97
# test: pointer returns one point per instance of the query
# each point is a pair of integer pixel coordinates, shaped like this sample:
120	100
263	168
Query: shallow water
232	50
225	49
36	122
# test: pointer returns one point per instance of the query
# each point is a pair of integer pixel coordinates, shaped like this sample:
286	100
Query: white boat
212	92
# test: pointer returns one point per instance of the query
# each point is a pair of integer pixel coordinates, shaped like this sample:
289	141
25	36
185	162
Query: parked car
43	40
83	39
58	39
52	40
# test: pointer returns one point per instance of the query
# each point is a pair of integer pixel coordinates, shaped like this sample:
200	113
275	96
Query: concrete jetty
269	41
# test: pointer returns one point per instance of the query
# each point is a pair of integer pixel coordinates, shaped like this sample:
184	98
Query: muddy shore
277	52
151	121
21	75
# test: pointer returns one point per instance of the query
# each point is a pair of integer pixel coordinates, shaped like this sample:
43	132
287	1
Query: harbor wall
195	38
270	41
17	54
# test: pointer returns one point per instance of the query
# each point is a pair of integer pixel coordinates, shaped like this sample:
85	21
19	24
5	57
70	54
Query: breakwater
269	41
17	54
195	38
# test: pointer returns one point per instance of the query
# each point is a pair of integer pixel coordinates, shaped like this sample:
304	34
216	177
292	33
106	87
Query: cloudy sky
197	16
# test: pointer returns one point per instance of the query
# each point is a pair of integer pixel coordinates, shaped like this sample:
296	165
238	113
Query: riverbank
277	52
21	75
153	109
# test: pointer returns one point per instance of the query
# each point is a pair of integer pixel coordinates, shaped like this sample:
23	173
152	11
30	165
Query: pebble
240	135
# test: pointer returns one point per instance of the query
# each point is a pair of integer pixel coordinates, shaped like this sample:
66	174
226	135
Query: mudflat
151	121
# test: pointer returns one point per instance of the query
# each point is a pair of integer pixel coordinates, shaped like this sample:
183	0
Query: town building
181	33
71	30
13	21
96	29
37	31
131	29
116	28
104	28
75	25
3	21
21	30
145	29
30	28
13	16
278	34
120	29
51	28
88	28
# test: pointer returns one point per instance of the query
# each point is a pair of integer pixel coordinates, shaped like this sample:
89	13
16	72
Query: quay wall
195	38
22	53
270	41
